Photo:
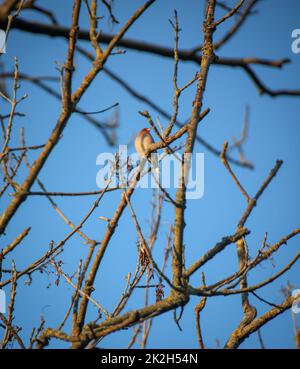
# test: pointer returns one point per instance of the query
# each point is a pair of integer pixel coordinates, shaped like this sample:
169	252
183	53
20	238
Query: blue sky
274	133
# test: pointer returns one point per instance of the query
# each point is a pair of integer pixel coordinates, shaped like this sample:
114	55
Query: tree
172	285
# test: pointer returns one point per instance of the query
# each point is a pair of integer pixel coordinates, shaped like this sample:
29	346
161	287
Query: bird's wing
138	144
147	140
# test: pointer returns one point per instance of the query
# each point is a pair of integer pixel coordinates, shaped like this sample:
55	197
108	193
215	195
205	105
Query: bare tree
150	274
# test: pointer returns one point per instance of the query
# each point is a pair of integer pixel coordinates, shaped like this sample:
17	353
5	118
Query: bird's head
145	130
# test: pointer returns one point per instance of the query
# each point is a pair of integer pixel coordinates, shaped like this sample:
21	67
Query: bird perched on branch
142	143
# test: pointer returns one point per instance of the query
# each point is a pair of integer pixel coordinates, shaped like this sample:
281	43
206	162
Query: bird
142	143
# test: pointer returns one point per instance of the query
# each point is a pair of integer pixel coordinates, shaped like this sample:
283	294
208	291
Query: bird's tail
154	162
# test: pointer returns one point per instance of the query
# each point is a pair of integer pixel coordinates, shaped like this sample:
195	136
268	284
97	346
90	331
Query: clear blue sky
274	133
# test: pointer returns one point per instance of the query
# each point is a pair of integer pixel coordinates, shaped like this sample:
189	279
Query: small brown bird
142	142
